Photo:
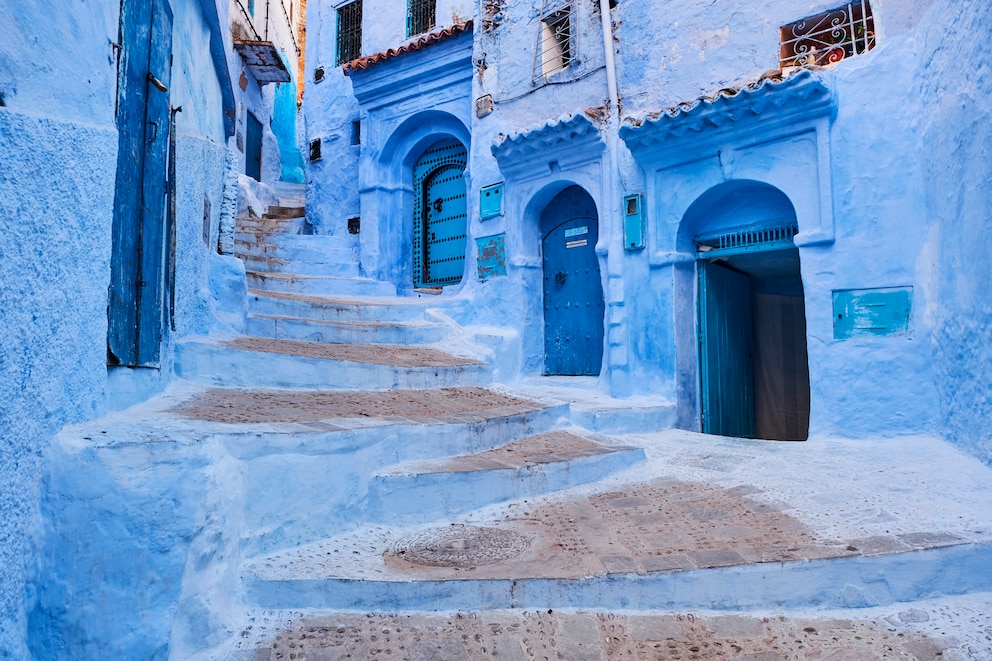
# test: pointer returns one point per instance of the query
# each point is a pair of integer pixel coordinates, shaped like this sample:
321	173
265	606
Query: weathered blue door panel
726	371
445	238
135	293
253	147
440	223
573	293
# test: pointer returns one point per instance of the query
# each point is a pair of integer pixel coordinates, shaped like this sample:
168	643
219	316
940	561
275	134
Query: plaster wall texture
955	271
59	151
55	215
59	145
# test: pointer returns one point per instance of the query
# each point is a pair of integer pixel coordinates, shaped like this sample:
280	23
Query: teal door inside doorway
754	368
725	351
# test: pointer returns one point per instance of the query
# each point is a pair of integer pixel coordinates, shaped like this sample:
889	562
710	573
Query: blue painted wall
59	144
884	184
59	149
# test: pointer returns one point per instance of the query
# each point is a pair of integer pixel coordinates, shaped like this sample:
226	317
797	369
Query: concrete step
918	630
306	247
290	194
324	267
267	222
354	332
268	234
248	361
421	491
331	442
293	283
828	583
285	212
346	308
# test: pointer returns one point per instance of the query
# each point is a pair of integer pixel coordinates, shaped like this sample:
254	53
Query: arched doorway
573	292
753	365
439	228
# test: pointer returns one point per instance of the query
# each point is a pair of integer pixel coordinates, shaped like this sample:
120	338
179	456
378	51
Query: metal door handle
560	277
159	85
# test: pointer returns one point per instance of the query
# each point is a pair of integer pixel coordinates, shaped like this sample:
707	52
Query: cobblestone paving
468	404
657	527
375	354
586	636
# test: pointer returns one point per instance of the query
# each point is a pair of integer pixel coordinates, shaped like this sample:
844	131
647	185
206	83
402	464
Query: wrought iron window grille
420	16
829	37
555	42
349	46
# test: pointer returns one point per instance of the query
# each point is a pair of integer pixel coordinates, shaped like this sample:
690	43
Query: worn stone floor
922	632
374	354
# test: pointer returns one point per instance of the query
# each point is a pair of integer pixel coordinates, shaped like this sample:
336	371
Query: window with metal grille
350	31
828	37
420	16
554	42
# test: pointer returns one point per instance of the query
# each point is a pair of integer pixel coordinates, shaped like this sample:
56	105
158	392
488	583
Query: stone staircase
350	454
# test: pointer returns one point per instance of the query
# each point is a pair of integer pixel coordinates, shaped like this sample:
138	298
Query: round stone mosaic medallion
461	546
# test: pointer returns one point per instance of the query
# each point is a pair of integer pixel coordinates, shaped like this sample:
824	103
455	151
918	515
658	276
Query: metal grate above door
755	239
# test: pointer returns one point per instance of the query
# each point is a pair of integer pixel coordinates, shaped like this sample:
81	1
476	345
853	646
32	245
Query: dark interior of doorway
780	365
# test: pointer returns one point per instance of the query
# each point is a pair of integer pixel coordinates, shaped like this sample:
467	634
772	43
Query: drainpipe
611	67
616	314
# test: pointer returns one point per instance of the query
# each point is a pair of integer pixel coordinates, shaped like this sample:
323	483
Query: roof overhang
263	61
774	104
569	141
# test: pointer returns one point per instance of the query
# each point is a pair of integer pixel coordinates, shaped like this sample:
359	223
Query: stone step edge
353	300
349	323
332	435
414	468
848	582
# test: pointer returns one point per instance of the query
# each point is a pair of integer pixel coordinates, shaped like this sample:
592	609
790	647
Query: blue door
725	351
135	302
253	147
440	229
573	293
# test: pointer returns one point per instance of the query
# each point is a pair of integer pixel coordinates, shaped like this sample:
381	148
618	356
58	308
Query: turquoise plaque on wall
491	201
872	312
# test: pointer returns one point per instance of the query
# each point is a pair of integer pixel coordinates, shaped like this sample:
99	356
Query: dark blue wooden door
725	351
573	297
135	303
253	147
440	226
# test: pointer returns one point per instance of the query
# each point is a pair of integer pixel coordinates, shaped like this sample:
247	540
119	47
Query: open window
828	37
555	42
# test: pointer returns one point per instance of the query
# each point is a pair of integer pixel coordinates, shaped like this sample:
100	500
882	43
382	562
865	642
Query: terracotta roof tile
368	61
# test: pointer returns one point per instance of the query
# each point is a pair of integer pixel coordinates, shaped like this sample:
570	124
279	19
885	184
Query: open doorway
754	369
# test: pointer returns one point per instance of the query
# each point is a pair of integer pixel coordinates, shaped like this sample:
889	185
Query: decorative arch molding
414	135
775	131
565	143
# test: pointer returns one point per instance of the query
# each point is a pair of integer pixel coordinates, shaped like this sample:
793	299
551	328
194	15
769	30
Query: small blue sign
491	201
872	312
492	256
